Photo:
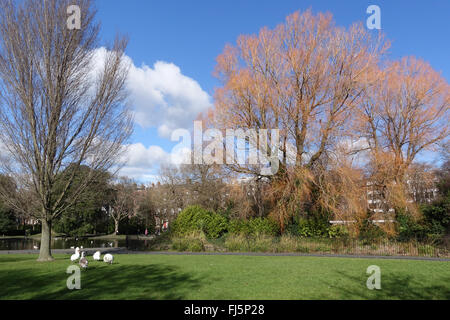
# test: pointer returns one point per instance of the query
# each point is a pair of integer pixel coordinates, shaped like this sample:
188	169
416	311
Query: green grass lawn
223	277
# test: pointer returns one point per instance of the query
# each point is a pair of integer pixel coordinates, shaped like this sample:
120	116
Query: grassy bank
197	242
108	237
223	277
121	237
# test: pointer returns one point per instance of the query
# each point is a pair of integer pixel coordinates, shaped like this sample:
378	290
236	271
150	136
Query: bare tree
405	113
305	77
445	151
123	203
55	112
171	194
422	183
204	185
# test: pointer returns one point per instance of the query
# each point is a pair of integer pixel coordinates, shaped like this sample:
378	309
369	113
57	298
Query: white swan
108	258
35	247
97	256
76	255
83	261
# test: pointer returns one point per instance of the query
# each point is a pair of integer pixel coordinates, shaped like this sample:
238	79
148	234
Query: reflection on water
59	243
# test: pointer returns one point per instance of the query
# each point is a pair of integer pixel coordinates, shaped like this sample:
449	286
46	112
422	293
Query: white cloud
161	96
142	163
164	98
137	155
139	174
180	156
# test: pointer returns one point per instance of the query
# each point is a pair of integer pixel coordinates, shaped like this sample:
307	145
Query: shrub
216	226
262	243
289	243
7	222
243	243
437	217
408	229
193	242
239	227
370	232
195	218
254	227
337	231
432	226
426	250
315	228
237	243
306	228
263	226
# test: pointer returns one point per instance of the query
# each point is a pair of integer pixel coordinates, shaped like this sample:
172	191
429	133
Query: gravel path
90	251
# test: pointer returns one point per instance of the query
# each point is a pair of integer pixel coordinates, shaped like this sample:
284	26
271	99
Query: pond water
61	243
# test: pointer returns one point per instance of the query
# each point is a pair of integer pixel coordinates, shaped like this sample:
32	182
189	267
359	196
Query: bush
262	243
239	227
289	243
426	250
195	219
254	227
7	221
237	243
308	228
337	231
370	232
437	217
243	243
263	226
135	225
216	226
408	228
432	226
194	242
315	228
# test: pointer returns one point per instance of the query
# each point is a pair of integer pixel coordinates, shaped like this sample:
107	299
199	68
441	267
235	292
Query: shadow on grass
6	258
395	286
100	281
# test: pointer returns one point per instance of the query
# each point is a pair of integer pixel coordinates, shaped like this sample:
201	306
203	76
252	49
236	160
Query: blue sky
191	34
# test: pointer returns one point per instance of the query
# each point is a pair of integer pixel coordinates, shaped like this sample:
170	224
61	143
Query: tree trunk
259	200
46	236
116	226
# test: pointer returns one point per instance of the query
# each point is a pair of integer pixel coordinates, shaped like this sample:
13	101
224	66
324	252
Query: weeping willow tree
61	105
